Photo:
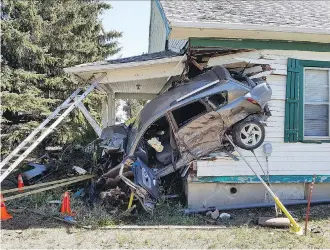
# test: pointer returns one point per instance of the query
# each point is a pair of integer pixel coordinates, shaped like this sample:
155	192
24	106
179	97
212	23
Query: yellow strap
85	177
47	183
294	225
130	203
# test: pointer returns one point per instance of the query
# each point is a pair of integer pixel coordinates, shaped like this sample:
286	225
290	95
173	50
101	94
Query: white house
287	41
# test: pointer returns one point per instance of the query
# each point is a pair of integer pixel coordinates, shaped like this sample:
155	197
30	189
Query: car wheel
248	135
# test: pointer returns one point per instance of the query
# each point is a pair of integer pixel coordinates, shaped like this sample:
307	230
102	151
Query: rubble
138	157
79	170
114	198
224	216
215	214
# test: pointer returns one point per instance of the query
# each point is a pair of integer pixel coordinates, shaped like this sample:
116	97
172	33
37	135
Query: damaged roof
145	57
140	58
292	14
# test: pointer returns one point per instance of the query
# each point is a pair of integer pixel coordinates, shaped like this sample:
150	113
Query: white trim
242	26
184	32
146	96
90	67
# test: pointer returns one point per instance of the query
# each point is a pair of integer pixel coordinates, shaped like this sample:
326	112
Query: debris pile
187	123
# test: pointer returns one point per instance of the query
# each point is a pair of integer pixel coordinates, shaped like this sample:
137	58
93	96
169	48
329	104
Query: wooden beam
197	65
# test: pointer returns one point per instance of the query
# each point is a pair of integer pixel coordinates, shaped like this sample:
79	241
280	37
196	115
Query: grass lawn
241	231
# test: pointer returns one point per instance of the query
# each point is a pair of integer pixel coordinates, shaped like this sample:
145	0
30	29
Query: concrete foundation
201	194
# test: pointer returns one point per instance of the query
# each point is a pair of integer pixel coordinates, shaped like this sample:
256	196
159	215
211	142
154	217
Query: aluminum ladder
32	141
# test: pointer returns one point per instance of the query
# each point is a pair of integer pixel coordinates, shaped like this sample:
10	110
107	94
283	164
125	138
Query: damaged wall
287	158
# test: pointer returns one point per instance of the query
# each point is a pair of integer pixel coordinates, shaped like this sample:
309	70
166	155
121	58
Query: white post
111	108
104	113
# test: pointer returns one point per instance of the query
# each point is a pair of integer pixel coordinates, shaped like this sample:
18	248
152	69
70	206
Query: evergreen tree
40	38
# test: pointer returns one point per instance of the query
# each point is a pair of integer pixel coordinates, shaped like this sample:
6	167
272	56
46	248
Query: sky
132	18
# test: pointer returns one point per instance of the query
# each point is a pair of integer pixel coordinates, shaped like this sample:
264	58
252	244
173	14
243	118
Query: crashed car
186	123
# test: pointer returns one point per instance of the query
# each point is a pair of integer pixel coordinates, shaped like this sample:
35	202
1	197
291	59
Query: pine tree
40	38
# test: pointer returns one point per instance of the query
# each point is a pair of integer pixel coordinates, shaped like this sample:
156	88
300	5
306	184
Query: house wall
293	159
157	29
291	165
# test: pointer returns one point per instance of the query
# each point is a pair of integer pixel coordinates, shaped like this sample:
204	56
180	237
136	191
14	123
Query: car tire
248	135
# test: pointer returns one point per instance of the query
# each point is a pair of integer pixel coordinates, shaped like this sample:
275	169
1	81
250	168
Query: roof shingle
140	58
145	57
285	13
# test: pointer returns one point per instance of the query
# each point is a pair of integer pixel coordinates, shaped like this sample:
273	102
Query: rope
64	183
258	162
44	184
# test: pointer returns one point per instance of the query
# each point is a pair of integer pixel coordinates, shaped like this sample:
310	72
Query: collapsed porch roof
135	77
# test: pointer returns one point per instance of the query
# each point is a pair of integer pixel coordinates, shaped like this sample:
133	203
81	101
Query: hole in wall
233	190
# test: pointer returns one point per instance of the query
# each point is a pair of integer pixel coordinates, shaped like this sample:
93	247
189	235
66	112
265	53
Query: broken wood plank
230	58
264	73
261	61
197	65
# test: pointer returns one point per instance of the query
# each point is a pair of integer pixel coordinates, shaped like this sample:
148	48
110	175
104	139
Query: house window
188	112
307	102
316	103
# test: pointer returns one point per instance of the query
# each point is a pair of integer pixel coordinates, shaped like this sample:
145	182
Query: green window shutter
292	103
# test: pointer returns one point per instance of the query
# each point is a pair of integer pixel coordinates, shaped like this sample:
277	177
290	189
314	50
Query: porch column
111	108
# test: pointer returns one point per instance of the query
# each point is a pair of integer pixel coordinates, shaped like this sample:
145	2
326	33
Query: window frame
314	138
177	127
215	107
294	101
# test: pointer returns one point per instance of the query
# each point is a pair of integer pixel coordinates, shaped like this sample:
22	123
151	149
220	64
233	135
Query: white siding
157	31
287	158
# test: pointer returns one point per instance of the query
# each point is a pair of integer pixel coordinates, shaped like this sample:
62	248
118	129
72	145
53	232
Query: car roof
158	106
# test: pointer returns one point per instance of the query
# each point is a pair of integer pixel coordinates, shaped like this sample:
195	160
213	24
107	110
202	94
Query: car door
200	132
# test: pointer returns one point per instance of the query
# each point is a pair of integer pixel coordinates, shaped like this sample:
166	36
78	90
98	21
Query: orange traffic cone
65	207
20	183
4	214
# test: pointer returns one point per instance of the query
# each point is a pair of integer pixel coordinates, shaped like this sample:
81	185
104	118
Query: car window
218	100
185	114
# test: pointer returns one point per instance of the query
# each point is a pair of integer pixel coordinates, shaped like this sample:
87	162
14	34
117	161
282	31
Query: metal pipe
309	203
294	225
253	205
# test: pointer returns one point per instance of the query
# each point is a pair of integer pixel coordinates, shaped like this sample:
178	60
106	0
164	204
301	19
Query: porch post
111	108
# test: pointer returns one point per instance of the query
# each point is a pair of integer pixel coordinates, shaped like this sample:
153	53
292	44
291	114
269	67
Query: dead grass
241	231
